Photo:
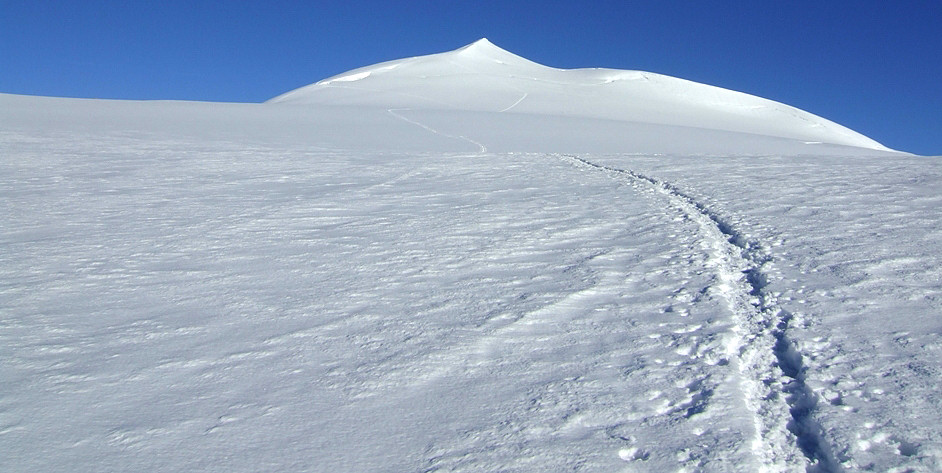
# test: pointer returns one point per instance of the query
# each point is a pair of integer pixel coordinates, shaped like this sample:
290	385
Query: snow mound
482	77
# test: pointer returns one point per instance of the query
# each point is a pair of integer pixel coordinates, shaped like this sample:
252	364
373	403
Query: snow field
379	273
220	297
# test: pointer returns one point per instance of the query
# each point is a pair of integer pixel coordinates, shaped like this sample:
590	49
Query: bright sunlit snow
465	262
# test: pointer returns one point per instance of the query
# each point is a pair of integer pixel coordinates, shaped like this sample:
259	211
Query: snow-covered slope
483	77
375	281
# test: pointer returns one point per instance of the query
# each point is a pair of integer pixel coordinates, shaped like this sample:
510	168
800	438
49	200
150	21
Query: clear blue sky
874	66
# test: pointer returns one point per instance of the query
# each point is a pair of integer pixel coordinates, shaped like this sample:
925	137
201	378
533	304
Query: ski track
772	370
392	111
524	96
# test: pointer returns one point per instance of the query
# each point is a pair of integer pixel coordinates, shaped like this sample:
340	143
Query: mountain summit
482	77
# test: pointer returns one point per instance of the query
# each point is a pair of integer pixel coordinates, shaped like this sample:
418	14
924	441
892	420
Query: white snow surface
484	77
447	271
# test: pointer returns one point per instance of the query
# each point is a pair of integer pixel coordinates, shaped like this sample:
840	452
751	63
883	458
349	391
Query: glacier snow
465	261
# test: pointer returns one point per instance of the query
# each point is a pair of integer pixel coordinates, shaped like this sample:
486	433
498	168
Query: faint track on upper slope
771	368
392	111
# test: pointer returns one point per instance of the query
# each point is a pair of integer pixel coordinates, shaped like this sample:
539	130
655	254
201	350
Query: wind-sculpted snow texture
380	286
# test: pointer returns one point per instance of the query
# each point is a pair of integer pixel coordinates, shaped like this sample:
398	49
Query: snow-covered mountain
485	78
465	262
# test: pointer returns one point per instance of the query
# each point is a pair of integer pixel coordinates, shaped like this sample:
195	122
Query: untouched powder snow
432	265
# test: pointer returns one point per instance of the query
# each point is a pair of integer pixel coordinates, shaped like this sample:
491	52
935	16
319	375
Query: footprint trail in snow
772	369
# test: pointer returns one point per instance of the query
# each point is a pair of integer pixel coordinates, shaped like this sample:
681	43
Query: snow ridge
771	368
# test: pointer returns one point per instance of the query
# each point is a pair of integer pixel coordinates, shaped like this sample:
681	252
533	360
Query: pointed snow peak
481	44
483	49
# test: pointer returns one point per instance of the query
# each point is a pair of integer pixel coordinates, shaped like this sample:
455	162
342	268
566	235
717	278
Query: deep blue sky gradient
874	66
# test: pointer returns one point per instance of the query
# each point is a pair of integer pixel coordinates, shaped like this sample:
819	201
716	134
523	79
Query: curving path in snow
771	367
